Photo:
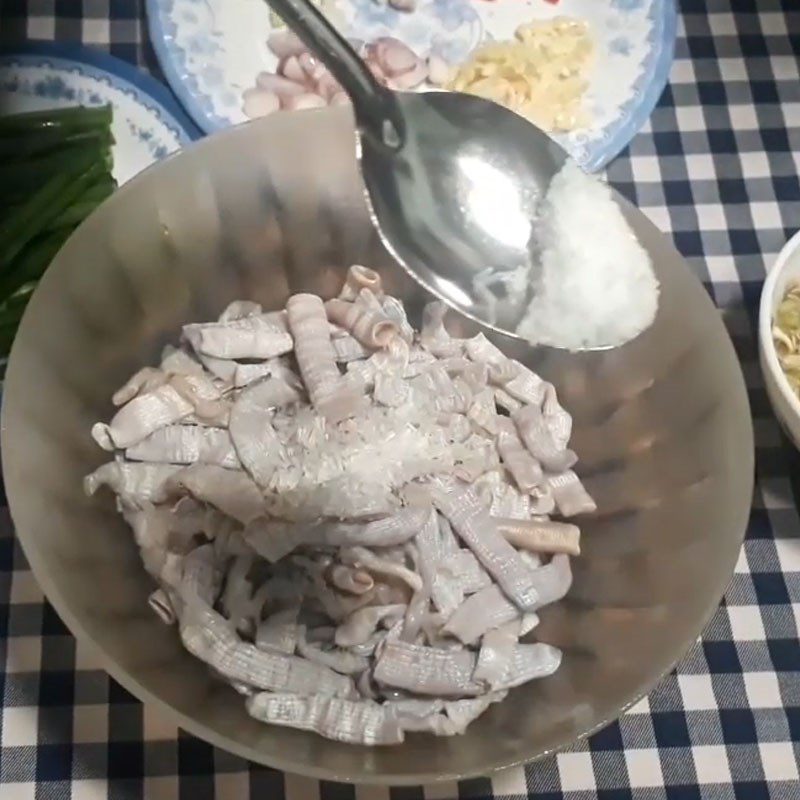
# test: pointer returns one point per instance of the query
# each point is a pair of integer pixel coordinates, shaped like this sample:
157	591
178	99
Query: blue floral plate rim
665	36
146	89
594	157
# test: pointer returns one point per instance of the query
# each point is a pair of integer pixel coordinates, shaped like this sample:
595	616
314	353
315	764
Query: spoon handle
374	105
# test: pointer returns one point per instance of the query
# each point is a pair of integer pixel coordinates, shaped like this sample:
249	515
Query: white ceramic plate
212	50
148	123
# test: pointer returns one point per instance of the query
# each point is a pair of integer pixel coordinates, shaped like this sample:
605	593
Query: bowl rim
765	315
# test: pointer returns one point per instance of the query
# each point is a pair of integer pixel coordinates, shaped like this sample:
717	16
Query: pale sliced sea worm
524	468
231	491
133	482
359	278
348	520
541	536
186	444
142	415
257	444
261	336
569	494
470	520
538	438
353	721
334	398
208	636
368	325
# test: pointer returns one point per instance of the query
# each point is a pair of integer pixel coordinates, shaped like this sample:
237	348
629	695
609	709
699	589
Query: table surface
716	168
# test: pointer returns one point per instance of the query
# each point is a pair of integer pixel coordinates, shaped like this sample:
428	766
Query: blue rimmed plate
212	50
148	122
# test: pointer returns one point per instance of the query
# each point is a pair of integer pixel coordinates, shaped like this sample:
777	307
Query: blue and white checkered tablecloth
717	168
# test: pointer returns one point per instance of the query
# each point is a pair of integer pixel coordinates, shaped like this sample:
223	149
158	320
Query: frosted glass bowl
662	427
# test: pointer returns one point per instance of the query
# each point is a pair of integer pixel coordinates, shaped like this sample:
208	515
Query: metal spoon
453	180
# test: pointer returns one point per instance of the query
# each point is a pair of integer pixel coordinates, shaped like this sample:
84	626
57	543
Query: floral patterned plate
212	50
148	123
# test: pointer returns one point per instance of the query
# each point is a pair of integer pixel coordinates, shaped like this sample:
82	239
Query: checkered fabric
717	168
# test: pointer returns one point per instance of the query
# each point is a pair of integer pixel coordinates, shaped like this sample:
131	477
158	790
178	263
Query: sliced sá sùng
332	397
208	636
468	516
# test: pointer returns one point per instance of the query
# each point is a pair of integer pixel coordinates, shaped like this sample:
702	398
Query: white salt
596	286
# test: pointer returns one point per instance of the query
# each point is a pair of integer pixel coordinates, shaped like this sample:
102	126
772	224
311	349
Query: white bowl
785	402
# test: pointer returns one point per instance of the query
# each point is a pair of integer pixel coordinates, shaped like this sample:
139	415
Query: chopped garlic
541	74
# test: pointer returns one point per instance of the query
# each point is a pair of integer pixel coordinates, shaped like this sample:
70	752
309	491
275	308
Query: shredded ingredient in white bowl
786	335
347	520
594	286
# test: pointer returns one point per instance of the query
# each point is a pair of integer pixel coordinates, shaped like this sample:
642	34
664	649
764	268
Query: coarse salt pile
595	286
